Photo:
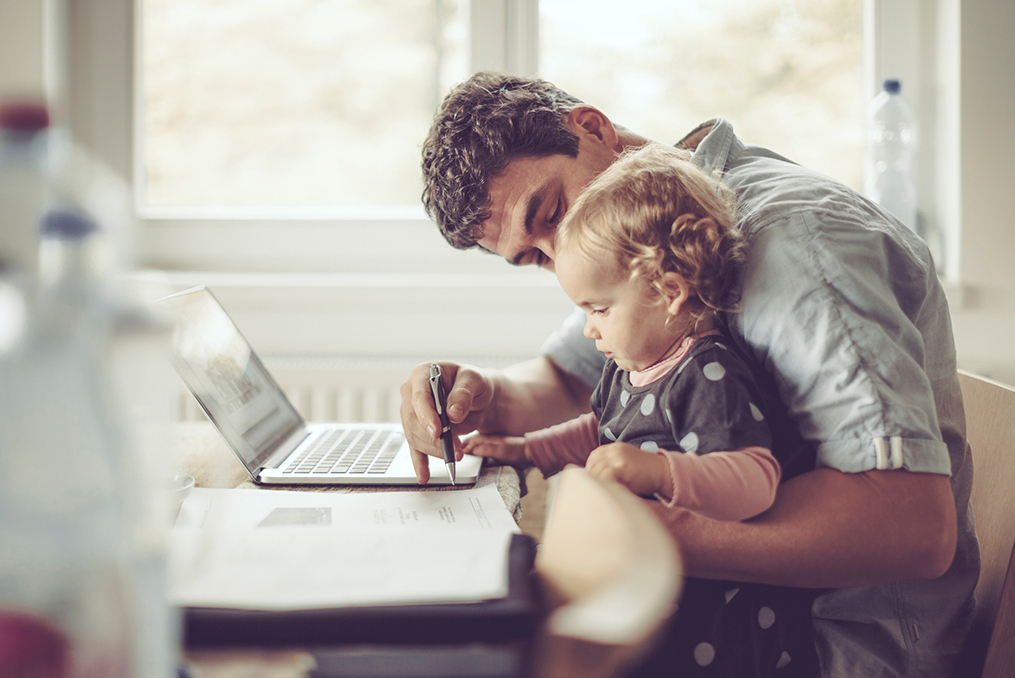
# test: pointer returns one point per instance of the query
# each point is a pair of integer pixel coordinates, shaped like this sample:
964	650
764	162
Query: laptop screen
227	377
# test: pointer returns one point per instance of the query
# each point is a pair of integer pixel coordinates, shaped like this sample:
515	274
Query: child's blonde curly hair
654	211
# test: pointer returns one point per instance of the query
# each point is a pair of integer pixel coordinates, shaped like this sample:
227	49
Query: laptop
274	443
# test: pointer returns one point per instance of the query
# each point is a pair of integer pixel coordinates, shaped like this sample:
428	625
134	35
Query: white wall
985	327
21	62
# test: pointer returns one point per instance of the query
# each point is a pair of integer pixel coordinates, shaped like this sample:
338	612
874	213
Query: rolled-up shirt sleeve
832	303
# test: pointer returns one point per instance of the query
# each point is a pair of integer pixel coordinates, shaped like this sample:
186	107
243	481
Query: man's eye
557	213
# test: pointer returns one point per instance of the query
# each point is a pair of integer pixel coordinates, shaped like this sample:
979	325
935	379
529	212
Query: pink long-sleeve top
724	485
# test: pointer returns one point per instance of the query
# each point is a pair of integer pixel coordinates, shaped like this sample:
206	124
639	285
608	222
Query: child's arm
550	449
505	449
733	485
644	473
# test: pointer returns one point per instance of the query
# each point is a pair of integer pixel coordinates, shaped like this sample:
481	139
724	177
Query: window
263	127
323	103
788	78
784	72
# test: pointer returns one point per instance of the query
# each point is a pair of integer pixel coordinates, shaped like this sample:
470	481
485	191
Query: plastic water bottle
82	516
892	139
22	192
62	582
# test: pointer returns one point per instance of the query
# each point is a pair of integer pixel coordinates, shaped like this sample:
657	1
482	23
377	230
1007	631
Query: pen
440	400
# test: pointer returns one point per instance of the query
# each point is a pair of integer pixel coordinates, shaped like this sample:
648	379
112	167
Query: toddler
651	252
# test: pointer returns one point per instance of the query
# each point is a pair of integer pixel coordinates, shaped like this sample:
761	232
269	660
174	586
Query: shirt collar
716	151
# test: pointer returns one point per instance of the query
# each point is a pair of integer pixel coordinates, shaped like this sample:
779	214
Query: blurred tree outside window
276	104
292	103
786	73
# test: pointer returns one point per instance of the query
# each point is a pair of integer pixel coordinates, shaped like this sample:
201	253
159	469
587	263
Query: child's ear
676	290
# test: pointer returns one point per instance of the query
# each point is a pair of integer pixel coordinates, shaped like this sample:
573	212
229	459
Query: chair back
612	574
990	429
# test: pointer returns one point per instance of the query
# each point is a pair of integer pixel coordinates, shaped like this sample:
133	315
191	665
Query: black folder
512	618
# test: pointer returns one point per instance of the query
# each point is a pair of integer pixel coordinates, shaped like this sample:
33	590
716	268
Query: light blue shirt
843	307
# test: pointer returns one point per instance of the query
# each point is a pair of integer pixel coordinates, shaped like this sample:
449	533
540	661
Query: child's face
626	317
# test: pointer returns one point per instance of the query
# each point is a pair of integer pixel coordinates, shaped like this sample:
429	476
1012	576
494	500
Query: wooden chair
612	575
990	426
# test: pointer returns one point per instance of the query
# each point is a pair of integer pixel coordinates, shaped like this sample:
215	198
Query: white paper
275	550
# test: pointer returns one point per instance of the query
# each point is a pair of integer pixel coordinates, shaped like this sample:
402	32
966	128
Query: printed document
285	550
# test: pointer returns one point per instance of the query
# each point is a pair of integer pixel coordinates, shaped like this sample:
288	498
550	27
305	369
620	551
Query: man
841	308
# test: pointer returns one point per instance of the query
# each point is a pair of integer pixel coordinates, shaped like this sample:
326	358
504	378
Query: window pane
292	103
786	73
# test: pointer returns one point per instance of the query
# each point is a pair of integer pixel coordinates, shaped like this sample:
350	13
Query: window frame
920	44
504	36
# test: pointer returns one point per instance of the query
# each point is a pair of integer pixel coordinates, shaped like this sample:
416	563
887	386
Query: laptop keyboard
353	452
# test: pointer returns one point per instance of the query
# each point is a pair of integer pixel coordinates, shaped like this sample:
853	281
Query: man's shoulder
768	186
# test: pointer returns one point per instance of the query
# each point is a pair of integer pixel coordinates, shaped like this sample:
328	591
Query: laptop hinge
285	448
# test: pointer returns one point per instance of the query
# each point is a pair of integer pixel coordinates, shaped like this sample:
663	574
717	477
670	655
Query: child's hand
505	449
644	473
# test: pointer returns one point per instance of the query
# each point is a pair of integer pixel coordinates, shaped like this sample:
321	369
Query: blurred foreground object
612	575
83	505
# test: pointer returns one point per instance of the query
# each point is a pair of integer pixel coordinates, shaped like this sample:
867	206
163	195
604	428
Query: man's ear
591	121
677	291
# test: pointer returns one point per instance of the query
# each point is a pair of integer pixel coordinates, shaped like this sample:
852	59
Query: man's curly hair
484	123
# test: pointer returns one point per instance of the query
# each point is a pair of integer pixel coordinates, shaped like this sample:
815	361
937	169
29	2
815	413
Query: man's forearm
828	529
533	395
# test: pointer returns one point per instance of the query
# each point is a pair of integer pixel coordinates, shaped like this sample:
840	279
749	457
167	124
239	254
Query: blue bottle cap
892	86
65	224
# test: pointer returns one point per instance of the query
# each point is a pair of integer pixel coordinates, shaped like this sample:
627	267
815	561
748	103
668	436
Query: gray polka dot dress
710	402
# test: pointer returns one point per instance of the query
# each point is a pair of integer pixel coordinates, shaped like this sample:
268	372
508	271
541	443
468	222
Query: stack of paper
283	550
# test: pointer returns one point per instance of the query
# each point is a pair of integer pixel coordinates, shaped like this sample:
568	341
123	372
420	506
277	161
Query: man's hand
644	473
470	393
524	397
505	449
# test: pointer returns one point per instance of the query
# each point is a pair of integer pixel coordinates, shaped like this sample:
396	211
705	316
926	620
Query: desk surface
199	450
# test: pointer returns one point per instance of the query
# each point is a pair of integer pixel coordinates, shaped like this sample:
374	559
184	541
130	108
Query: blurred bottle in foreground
892	138
83	510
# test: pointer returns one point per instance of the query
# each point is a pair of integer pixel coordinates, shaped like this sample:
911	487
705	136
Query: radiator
335	389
